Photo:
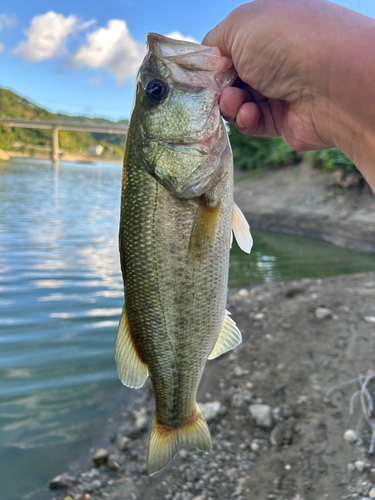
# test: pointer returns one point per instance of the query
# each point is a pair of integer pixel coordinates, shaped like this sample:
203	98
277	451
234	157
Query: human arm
308	69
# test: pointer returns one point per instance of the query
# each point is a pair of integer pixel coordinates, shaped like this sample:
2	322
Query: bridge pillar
55	145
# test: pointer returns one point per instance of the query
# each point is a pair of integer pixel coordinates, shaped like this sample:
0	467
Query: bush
330	159
5	134
257	152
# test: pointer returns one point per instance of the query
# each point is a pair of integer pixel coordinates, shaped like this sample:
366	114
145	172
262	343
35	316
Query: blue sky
49	49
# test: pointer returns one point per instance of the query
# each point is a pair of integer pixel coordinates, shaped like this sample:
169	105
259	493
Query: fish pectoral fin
229	337
131	370
164	440
204	228
241	229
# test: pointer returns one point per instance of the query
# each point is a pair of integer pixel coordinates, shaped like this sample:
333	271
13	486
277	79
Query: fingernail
239	122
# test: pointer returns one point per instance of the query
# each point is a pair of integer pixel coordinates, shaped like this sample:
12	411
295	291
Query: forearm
348	108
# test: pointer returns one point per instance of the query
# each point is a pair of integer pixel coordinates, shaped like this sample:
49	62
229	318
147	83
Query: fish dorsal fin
229	337
204	229
164	440
131	370
241	229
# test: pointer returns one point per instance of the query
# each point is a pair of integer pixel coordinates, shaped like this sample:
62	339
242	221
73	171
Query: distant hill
14	106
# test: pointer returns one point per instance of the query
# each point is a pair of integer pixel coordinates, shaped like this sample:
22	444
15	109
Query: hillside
15	106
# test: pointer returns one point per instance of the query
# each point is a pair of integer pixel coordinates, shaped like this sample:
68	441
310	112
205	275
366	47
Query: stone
122	443
60	481
351	436
369	319
239	372
141	419
371	493
277	435
240	485
95	485
113	462
255	447
360	465
323	313
100	457
210	410
262	414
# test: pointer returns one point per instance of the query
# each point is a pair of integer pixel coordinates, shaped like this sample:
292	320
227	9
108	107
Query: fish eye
156	91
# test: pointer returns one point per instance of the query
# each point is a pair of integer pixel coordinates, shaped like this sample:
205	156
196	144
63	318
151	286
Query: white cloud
113	48
7	21
47	34
177	36
1	47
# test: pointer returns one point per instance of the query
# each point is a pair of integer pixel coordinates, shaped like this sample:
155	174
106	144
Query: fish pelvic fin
241	229
131	370
229	337
164	440
204	229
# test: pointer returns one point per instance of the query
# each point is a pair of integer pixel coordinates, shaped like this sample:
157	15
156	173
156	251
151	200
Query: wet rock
262	414
255	447
100	457
123	443
113	462
277	435
351	436
323	313
60	481
360	465
239	372
210	410
141	419
95	485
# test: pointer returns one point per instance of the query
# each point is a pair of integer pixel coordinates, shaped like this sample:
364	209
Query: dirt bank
275	435
306	201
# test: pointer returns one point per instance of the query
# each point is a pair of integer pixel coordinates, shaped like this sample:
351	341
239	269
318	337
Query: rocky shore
311	202
278	408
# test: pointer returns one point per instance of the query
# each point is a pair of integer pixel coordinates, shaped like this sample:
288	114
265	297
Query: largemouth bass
177	212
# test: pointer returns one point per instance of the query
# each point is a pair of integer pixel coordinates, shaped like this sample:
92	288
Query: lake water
60	302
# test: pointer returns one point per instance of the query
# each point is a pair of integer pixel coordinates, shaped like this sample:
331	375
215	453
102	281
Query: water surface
60	302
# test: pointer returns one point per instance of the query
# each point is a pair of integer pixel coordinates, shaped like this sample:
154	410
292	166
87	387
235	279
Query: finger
256	119
231	101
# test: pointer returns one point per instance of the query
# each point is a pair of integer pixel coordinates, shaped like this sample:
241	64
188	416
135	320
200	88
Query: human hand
301	65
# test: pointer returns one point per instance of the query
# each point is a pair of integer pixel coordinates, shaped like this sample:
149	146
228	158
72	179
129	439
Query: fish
176	220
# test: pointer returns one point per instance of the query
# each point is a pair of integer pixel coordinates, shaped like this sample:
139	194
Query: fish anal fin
204	228
131	370
229	338
241	229
164	440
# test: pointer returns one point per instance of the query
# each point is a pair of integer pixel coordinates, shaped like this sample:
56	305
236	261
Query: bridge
55	126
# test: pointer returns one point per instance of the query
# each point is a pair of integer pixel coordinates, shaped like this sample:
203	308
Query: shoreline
291	355
75	157
306	201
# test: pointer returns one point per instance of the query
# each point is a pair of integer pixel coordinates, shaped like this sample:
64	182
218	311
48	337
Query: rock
95	485
100	457
371	493
210	410
277	435
199	497
141	419
112	462
255	447
351	436
60	481
4	155
262	414
240	485
258	316
360	465
123	442
369	319
239	372
323	313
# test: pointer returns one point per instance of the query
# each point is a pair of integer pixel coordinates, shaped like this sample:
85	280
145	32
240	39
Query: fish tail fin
164	440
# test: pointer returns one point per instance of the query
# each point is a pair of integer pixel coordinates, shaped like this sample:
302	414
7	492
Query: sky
81	57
